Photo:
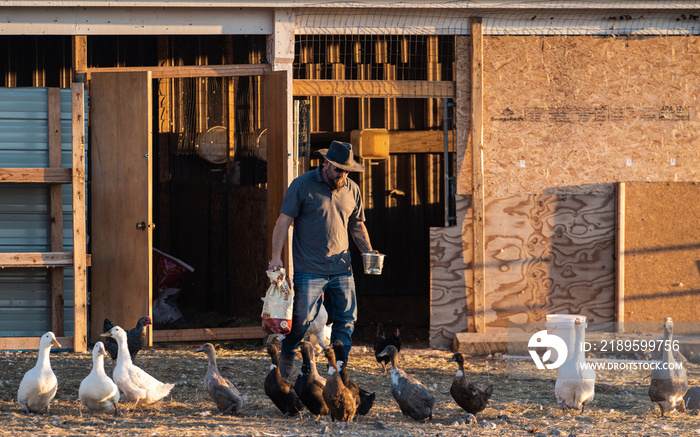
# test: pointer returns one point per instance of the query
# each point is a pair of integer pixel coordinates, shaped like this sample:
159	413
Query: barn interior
210	172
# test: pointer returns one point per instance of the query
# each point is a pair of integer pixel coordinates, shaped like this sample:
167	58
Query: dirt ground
519	407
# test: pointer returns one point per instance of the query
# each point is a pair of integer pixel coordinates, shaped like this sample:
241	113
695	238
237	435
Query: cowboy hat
340	155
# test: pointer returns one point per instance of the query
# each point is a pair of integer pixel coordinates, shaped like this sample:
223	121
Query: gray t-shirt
320	244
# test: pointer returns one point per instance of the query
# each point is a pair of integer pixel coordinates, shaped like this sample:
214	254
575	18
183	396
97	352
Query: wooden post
56	211
620	237
478	175
80	58
79	235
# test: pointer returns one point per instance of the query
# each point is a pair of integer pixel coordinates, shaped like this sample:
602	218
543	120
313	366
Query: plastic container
373	262
562	325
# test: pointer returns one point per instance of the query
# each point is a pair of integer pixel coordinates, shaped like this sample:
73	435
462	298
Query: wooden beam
276	114
192	70
412	89
208	334
479	267
56	210
620	261
79	233
79	59
32	343
417	141
36	259
426	141
35	175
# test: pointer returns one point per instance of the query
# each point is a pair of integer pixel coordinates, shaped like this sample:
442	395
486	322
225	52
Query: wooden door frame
276	84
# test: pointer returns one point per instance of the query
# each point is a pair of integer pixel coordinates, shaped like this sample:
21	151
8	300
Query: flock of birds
337	396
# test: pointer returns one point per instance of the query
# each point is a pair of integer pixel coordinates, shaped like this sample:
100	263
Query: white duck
39	384
132	380
97	391
575	385
669	381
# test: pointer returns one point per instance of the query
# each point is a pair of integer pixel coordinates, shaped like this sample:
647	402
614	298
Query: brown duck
471	398
338	397
363	398
224	394
669	381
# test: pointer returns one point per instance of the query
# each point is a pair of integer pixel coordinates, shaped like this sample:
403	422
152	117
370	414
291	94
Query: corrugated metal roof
24	213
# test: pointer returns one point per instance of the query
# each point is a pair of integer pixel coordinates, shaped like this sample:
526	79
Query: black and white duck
338	397
281	392
309	384
381	342
575	385
471	398
222	391
39	384
363	398
413	397
668	380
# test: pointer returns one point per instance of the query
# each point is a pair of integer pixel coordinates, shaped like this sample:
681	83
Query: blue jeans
340	301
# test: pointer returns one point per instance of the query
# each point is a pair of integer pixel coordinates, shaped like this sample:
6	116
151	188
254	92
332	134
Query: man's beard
335	184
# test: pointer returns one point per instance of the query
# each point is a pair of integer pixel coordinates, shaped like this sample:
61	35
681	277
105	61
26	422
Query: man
324	205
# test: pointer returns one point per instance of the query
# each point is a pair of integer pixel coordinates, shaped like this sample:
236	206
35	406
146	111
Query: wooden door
121	199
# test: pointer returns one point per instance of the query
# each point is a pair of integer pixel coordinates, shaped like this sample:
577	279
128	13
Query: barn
542	158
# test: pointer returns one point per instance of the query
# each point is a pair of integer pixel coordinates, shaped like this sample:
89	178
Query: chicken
135	338
381	342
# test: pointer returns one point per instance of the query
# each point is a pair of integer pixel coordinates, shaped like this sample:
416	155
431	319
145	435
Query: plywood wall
549	254
662	252
577	114
451	284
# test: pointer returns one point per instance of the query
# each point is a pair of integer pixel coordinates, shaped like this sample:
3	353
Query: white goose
669	381
132	380
97	391
39	384
575	385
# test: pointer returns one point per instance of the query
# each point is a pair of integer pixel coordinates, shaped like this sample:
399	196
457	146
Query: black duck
471	398
309	384
413	397
281	392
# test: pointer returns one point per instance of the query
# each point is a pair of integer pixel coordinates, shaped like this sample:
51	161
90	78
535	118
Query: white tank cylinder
562	325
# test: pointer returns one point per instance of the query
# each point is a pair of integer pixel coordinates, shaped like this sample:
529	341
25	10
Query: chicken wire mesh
507	18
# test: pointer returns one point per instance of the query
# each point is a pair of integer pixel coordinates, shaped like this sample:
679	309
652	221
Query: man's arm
279	237
359	234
